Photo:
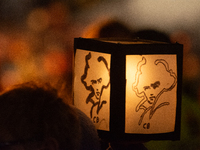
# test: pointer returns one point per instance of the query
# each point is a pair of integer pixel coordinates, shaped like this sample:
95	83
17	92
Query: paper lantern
131	89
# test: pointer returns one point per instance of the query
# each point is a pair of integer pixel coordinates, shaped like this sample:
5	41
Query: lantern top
126	41
126	46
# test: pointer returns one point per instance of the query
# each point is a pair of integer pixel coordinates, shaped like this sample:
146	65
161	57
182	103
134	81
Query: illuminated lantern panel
131	89
92	86
151	93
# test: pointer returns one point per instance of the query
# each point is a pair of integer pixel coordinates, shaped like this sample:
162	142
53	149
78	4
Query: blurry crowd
39	45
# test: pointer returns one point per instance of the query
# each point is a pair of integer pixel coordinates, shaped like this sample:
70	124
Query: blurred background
36	42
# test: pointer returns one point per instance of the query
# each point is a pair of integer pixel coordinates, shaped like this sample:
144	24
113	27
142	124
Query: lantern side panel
151	93
92	86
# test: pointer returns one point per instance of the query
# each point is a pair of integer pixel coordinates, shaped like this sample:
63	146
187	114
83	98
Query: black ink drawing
96	83
159	82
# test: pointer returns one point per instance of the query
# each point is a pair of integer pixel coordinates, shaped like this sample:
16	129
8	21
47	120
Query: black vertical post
117	98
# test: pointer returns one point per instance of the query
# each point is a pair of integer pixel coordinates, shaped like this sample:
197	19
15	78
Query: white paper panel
151	93
92	86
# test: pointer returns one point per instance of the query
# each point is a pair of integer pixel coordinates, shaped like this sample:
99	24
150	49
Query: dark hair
154	35
30	110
